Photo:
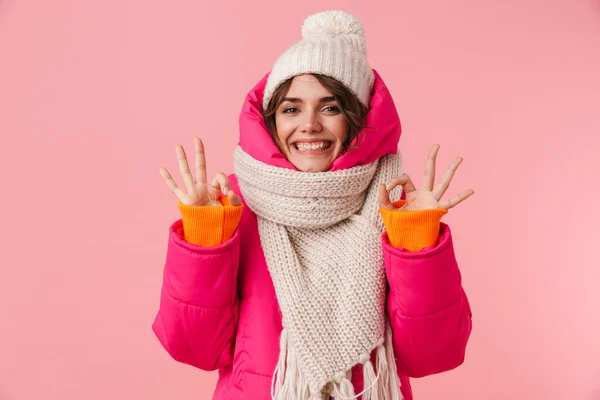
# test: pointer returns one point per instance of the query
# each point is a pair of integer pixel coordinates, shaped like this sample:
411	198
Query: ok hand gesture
198	191
426	197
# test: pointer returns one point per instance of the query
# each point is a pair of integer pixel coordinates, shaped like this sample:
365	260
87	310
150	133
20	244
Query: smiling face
310	126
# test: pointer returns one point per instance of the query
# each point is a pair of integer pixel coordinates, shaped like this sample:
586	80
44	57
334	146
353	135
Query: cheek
284	128
339	128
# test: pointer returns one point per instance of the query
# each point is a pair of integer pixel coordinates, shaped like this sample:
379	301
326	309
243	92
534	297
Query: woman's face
310	125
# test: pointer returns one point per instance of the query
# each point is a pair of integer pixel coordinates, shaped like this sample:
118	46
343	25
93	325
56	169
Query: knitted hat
333	44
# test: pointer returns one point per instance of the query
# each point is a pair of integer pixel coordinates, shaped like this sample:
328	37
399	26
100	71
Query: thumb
234	199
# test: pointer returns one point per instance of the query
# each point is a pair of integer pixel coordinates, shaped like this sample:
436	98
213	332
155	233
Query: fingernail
225	190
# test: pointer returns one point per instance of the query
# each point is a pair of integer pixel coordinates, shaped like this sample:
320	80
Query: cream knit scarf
321	236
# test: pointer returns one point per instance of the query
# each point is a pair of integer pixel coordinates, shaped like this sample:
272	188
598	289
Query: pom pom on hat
331	23
333	44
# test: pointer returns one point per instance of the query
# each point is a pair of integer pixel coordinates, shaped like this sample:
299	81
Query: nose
311	123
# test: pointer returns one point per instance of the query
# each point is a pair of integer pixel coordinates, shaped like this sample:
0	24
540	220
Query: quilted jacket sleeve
199	306
427	306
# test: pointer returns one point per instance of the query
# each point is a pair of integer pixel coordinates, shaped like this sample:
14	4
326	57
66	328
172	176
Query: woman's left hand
426	197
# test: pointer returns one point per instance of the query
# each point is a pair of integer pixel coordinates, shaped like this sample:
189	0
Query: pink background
94	95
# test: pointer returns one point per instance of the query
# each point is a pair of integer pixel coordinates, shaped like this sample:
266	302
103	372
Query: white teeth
310	146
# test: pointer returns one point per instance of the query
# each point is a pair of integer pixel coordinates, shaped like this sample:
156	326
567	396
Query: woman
287	291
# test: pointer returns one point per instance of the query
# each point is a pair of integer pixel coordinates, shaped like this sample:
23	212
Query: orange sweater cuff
414	229
210	226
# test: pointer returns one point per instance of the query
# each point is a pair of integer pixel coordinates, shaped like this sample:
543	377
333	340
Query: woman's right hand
198	191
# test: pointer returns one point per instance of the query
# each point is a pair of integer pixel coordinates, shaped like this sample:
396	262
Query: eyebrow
299	100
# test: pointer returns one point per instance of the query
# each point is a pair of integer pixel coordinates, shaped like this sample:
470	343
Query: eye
333	109
290	110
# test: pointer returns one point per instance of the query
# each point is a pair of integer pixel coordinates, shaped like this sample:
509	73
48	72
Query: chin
312	164
313	168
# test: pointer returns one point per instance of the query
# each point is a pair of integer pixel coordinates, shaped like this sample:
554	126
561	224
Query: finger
440	189
184	169
171	183
403	180
200	160
220	182
384	198
456	199
429	178
234	199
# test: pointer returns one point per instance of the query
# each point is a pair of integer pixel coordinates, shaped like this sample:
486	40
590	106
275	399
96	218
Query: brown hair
353	110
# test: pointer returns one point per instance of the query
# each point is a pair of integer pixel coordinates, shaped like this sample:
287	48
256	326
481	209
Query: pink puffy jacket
218	308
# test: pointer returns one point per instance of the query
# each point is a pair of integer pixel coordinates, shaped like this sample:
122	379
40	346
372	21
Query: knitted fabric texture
333	44
321	236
